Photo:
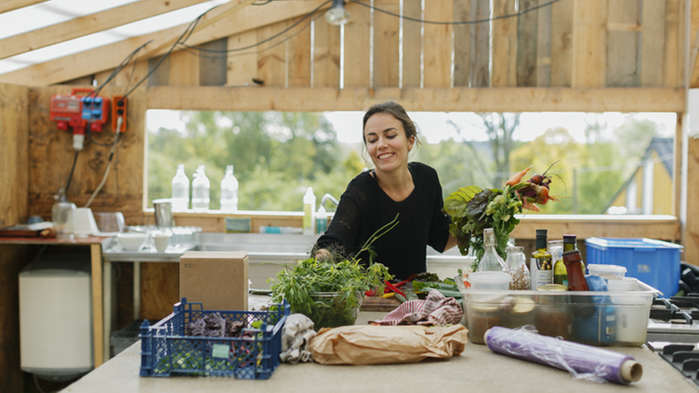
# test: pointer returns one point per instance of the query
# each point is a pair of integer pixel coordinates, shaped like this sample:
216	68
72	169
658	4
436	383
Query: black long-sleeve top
364	208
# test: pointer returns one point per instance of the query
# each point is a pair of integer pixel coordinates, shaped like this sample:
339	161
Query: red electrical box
72	111
66	111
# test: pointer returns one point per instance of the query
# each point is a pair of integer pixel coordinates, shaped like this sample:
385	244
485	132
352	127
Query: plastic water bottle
200	190
180	190
229	191
309	208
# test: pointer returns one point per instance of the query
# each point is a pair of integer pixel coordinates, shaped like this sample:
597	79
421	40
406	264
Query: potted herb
329	292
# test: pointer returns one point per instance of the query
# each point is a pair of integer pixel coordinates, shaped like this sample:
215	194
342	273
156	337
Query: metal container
163	213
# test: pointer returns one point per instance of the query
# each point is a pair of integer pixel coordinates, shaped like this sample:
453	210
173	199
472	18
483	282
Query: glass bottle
576	275
309	211
180	190
541	262
229	191
570	244
517	267
559	268
491	261
201	187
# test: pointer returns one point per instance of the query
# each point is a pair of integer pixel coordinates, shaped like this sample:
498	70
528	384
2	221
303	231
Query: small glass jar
516	266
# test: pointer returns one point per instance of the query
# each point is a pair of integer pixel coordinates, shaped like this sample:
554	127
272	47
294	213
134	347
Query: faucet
326	197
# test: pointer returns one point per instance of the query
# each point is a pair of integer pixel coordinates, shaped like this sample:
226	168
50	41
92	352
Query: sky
433	127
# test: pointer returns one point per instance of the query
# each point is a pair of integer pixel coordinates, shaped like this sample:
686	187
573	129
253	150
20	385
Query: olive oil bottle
541	262
560	274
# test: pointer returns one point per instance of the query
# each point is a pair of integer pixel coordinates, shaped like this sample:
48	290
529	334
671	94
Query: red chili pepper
395	289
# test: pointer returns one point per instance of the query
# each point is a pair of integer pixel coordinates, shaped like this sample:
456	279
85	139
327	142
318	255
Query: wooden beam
11	5
522	99
88	24
109	56
603	225
589	43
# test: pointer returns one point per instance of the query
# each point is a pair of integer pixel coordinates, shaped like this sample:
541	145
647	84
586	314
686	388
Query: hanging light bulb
337	14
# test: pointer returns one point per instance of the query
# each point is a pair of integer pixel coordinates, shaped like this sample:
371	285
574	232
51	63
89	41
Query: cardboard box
218	280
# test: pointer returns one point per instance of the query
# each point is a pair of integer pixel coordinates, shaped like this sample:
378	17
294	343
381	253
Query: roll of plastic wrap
582	361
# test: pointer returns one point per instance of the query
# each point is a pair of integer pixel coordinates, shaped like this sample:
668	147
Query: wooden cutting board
376	303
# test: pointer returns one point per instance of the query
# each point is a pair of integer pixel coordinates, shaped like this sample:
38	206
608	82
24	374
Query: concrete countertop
477	369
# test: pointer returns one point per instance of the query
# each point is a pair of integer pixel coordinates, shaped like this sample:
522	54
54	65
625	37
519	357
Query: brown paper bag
387	344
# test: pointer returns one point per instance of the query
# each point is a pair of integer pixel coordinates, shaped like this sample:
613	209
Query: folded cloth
436	309
296	334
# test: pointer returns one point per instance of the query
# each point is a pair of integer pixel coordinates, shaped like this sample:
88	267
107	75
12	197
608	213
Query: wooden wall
51	157
14	148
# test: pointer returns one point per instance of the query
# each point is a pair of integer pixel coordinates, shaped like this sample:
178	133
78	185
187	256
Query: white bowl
132	241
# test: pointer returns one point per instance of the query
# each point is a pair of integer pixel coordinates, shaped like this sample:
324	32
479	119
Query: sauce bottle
576	275
541	262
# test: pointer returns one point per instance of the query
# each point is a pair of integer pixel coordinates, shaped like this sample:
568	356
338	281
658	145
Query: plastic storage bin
654	262
593	318
166	351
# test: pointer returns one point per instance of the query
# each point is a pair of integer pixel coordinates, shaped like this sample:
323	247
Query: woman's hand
323	254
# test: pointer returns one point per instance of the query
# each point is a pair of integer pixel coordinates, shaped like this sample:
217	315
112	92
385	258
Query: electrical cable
109	163
193	50
458	22
70	177
263	41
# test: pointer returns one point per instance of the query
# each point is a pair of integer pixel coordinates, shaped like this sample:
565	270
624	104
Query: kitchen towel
436	309
296	334
582	361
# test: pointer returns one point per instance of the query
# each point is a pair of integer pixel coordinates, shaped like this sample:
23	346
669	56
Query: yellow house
649	189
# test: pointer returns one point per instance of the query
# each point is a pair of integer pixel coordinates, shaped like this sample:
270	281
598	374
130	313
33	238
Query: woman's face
386	142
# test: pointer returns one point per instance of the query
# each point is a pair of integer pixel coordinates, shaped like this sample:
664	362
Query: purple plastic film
582	361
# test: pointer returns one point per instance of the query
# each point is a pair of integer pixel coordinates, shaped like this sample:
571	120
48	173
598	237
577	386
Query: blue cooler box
655	262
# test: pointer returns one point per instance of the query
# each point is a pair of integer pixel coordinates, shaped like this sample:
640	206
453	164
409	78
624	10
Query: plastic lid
607	268
625	284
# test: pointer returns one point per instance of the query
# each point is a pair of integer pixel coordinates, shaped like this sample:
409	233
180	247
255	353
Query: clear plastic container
607	271
584	317
180	190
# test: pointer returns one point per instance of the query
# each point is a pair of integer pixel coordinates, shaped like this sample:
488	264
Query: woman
394	187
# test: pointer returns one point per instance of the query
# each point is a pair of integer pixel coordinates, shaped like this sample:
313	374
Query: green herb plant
328	292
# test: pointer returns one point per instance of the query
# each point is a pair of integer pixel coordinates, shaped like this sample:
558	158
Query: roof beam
109	56
11	5
89	24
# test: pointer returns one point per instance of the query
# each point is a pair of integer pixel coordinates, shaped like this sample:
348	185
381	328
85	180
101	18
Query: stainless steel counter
477	369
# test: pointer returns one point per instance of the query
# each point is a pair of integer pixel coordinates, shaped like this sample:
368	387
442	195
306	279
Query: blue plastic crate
166	351
655	262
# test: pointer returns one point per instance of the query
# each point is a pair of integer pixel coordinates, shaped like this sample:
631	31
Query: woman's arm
451	242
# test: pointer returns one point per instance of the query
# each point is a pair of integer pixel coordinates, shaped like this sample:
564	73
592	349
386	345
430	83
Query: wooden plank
97	303
357	46
504	41
299	54
242	64
672	75
212	65
88	24
51	156
562	44
132	74
527	43
462	42
386	44
694	45
438	44
12	259
480	44
109	56
543	46
184	68
589	43
326	54
658	227
159	289
14	123
690	240
523	99
653	43
159	67
623	57
271	58
412	44
11	5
